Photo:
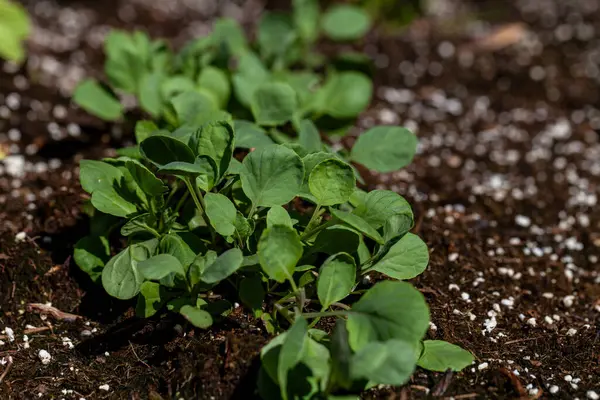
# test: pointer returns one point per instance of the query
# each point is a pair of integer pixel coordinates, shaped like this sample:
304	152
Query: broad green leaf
249	135
306	19
216	82
344	95
377	206
345	22
273	103
105	183
389	310
278	215
390	363
224	266
127	58
337	277
215	140
385	148
144	129
91	254
252	293
120	276
357	223
162	149
199	318
395	227
150	94
221	212
405	259
292	351
275	34
194	107
96	100
203	167
440	356
310	161
15	26
200	263
331	182
341	355
149	300
182	246
336	239
157	267
145	179
251	73
279	250
308	136
140	223
272	175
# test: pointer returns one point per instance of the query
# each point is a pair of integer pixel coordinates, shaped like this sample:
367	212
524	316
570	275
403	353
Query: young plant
288	229
14	30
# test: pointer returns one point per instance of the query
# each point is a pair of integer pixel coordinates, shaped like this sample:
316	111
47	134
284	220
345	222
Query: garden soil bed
504	188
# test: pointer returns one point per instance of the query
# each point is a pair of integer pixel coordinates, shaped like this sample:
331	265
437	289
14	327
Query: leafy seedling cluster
283	228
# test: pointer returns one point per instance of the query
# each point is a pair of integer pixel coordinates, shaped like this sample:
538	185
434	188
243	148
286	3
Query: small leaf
308	136
199	318
292	351
273	104
242	226
385	148
377	206
224	266
405	259
337	277
158	267
357	223
217	83
203	166
345	22
162	149
249	135
140	223
331	182
120	277
229	32
15	26
389	310
336	239
149	300
344	95
440	356
252	293
251	74
306	19
279	250
96	100
278	215
150	94
145	179
221	212
215	140
91	254
272	175
275	34
183	246
193	107
389	363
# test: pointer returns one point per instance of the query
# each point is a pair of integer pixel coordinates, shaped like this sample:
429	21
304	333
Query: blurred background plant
15	27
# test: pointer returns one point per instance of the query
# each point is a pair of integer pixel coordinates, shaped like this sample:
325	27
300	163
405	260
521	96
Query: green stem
284	312
252	211
309	234
313	218
181	201
197	201
325	314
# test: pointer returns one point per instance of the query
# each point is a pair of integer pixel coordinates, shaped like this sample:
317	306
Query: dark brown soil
505	190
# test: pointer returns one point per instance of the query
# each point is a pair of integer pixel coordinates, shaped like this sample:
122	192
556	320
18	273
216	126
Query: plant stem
325	314
308	234
252	211
194	194
181	201
313	218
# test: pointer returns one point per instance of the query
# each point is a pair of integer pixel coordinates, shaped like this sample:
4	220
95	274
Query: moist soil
504	188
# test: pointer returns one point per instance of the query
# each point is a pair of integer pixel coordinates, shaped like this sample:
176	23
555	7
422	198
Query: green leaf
145	179
200	263
337	277
127	59
331	182
279	250
150	94
341	355
224	266
308	136
229	32
345	22
216	82
273	103
221	212
378	206
194	107
405	259
149	300
242	226
344	95
105	183
183	249
275	34
389	363
304	84
120	277
357	223
144	129
140	223
272	175
252	293
203	167
96	100
199	318
15	26
336	239
385	148
310	161
91	254
278	215
174	85
395	228
249	135
215	140
162	150
292	351
389	310
251	73
158	267
306	19
440	356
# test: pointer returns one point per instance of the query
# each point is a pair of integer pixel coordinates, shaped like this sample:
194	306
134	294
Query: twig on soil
10	363
522	340
465	396
136	356
53	311
443	384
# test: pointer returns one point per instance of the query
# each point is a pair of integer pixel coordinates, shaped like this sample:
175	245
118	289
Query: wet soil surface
504	187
